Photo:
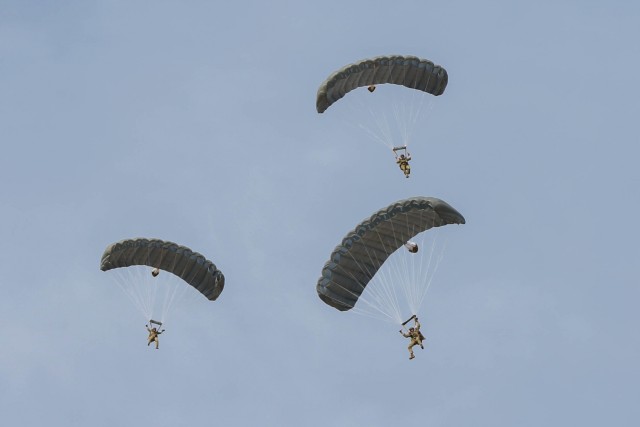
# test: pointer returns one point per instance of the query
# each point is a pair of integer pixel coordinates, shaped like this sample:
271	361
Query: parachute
190	267
363	251
409	71
396	114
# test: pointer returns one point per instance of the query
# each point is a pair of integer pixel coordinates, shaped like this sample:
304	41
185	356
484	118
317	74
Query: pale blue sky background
195	121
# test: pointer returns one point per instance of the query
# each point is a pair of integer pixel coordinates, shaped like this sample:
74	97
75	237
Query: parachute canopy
363	250
188	265
408	71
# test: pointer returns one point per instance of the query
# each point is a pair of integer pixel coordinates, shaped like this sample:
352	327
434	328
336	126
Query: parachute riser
408	320
400	148
155	322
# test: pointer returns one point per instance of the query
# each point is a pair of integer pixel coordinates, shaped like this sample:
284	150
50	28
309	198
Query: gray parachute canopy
190	266
363	250
409	71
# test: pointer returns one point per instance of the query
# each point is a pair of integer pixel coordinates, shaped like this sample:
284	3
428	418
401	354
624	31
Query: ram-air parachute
139	260
409	71
396	110
355	263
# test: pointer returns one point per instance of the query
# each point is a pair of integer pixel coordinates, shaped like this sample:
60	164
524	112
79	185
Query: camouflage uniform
403	162
153	336
416	338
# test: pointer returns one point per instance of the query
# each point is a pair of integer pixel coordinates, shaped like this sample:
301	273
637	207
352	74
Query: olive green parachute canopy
409	71
363	250
190	266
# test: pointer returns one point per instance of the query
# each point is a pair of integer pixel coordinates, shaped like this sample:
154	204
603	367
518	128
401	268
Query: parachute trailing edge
355	261
181	261
408	71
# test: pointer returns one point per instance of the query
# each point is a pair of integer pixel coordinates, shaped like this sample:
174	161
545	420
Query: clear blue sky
195	121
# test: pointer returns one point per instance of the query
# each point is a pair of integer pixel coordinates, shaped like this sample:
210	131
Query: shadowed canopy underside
355	261
408	71
190	266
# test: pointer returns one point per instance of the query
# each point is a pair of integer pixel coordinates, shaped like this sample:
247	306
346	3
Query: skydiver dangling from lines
153	336
415	335
403	162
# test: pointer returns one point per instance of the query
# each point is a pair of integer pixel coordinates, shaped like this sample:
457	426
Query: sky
195	122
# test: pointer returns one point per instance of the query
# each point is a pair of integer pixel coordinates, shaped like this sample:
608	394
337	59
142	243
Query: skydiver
403	162
153	336
416	337
371	88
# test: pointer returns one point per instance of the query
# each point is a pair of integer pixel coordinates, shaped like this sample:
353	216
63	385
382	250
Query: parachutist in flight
371	88
403	162
153	336
416	337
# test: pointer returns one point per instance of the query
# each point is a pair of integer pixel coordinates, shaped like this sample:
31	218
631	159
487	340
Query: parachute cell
181	261
363	250
408	71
